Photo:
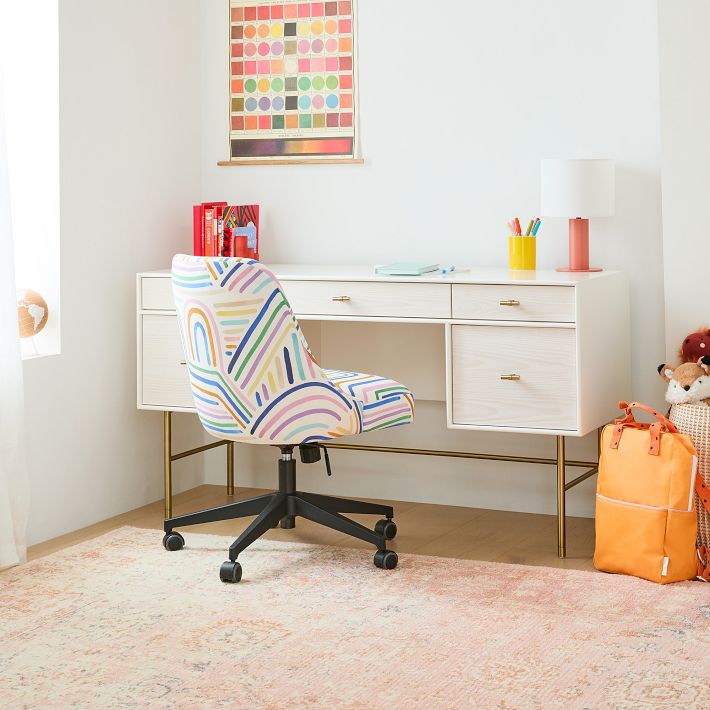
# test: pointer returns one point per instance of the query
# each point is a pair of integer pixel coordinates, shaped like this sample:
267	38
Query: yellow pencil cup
522	252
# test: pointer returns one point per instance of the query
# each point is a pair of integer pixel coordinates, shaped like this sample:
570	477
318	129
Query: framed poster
292	82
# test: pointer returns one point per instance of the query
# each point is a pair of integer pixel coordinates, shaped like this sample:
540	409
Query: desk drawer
527	303
157	294
545	396
359	298
165	379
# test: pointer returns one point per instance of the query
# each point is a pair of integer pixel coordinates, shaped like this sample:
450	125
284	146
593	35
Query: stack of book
223	230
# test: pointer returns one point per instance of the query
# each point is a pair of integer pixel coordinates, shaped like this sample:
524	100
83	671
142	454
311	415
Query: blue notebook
406	269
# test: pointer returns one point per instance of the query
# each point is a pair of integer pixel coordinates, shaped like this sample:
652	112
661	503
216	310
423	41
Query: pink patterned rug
117	622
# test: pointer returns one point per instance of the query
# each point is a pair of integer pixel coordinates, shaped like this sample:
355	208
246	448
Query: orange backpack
646	524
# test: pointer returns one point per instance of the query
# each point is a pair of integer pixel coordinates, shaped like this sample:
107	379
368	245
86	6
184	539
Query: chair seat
382	402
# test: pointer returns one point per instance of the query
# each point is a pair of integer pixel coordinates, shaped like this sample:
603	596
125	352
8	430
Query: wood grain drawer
165	379
359	298
545	396
501	302
157	294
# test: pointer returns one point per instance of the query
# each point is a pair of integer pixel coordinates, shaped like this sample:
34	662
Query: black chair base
282	508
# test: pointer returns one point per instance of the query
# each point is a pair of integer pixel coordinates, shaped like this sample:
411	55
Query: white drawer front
359	298
545	396
165	379
499	302
157	294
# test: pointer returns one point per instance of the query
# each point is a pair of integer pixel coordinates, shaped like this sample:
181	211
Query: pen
449	269
537	227
518	231
511	227
530	226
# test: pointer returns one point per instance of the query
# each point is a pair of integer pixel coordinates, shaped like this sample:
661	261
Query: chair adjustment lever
328	470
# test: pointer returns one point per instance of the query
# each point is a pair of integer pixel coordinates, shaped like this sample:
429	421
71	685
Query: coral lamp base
578	247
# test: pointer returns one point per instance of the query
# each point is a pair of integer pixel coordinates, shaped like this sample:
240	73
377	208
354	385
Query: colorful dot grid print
292	76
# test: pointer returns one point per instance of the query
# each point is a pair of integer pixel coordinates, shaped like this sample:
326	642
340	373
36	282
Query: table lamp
577	189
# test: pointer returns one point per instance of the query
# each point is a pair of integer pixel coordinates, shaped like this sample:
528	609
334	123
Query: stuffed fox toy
689	383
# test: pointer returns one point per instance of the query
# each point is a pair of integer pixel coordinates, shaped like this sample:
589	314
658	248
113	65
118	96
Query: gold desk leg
168	464
561	530
230	468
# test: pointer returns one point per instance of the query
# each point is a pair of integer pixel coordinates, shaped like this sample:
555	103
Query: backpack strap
703	572
703	492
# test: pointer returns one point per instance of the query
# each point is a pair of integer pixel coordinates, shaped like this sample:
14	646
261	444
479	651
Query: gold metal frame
560	461
169	457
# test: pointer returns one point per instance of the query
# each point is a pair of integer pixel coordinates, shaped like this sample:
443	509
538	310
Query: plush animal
695	345
689	383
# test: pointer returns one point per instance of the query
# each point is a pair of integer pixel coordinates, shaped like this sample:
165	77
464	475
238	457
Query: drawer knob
510	378
510	302
182	362
341	299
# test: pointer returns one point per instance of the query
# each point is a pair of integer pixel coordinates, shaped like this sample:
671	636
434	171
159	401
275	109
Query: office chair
254	380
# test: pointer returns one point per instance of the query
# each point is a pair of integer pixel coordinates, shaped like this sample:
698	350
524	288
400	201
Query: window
29	62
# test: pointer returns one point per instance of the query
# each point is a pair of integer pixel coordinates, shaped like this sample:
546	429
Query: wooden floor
441	530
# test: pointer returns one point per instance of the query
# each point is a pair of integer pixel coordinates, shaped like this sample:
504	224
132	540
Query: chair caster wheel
386	559
230	572
388	528
173	541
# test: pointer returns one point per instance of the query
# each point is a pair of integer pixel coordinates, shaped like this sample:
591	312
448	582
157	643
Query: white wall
524	80
685	112
143	124
129	78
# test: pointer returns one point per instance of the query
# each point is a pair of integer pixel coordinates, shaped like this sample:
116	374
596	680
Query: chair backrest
252	375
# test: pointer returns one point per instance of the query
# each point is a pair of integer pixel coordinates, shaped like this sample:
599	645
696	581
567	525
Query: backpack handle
667	423
658	428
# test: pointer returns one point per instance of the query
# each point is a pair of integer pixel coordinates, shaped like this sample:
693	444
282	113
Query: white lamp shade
577	188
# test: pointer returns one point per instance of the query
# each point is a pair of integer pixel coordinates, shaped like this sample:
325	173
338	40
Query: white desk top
485	275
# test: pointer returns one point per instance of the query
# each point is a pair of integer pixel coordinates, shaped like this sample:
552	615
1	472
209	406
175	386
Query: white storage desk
526	352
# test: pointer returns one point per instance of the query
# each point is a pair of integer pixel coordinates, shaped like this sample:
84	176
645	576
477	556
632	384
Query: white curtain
14	485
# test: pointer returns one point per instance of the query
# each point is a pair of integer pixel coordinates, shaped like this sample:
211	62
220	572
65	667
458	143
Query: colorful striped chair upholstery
252	374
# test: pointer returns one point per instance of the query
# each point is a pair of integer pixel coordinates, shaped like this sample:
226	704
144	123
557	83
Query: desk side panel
139	345
603	349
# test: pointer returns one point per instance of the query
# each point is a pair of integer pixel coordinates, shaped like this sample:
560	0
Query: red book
198	235
215	208
215	232
220	234
209	234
